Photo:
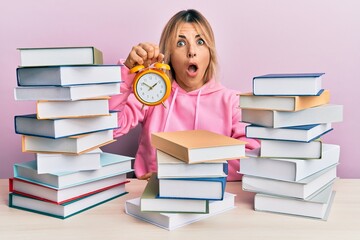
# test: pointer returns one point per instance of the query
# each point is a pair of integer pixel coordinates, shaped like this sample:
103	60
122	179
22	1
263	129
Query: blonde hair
170	33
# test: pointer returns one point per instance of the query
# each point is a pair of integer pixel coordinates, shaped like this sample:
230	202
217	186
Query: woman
197	100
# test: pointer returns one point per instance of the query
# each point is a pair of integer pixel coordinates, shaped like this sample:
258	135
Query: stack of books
293	170
191	178
72	121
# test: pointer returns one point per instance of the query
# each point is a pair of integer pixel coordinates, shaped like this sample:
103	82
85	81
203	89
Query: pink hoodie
212	107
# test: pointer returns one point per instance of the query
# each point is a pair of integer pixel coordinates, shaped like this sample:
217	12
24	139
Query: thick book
298	189
64	195
60	56
63	127
171	167
67	93
327	113
283	103
290	149
171	221
72	109
288	169
73	145
111	165
150	201
68	75
195	146
304	133
318	206
67	209
288	84
57	162
192	188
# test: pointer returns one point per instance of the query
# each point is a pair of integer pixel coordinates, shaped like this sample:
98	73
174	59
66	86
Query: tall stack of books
191	178
70	173
293	170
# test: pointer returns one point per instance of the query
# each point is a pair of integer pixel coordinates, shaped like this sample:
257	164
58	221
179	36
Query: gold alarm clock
151	85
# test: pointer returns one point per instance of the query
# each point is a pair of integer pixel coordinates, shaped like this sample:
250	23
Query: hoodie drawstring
170	109
197	109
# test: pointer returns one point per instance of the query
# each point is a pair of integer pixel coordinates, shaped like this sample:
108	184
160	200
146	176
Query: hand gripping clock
151	85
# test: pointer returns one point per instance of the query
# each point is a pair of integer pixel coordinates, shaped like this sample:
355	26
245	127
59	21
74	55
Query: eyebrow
183	36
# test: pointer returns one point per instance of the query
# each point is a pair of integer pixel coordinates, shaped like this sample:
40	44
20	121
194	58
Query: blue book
292	84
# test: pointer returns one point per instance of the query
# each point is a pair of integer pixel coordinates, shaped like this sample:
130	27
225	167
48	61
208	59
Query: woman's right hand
144	54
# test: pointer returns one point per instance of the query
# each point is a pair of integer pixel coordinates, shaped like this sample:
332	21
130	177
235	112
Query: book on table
194	146
63	127
192	188
171	167
171	221
57	162
66	93
303	188
288	169
75	144
290	149
111	165
68	75
72	109
67	209
150	201
288	84
327	113
304	133
282	103
60	56
317	206
63	195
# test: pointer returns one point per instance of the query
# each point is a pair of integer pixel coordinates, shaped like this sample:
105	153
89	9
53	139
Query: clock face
151	88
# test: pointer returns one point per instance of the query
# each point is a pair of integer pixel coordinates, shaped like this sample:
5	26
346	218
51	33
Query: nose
191	52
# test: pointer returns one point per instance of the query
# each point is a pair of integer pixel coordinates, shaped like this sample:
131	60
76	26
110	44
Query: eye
180	43
200	41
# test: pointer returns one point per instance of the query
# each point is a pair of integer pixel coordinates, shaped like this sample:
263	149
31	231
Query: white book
63	127
171	167
305	133
290	149
327	113
318	206
60	56
171	221
288	169
57	162
68	75
72	109
74	145
299	189
67	93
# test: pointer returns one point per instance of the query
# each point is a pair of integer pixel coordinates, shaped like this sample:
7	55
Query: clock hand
154	85
147	86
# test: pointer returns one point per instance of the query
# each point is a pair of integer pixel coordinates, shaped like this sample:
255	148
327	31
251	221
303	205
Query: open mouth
192	68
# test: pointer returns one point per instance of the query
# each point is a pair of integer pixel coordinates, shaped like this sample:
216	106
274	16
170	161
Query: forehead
189	29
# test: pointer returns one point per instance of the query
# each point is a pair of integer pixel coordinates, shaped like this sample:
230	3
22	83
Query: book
290	149
150	201
318	206
283	103
195	146
60	56
72	109
171	167
276	119
63	127
73	145
68	75
298	189
288	84
304	133
111	165
171	221
192	188
56	162
288	169
67	93
67	209
63	195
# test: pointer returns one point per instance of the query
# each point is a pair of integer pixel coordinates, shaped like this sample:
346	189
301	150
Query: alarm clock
151	85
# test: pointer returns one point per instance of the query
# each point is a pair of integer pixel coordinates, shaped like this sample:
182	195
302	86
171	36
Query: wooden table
109	221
